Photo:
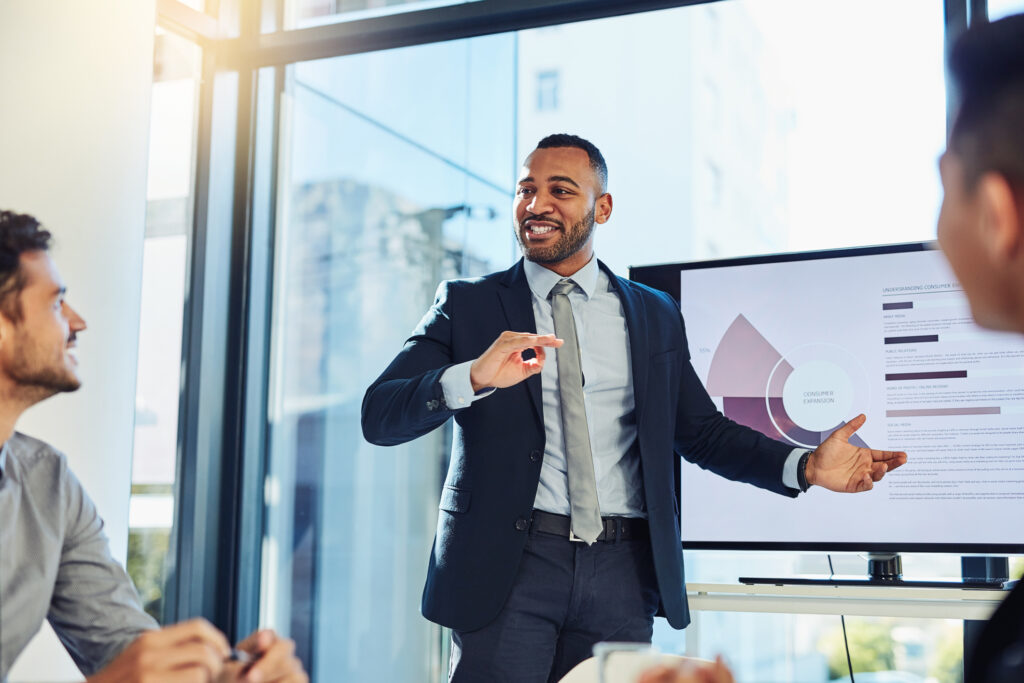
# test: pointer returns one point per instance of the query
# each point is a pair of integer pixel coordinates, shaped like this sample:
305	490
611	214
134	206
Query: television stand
884	569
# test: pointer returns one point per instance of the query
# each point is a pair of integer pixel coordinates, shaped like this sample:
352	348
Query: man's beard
40	380
571	241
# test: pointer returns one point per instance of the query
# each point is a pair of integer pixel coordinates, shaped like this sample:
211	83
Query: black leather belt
615	528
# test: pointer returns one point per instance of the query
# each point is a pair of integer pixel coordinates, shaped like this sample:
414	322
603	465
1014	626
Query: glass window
918	649
305	13
168	221
997	9
395	174
728	130
547	90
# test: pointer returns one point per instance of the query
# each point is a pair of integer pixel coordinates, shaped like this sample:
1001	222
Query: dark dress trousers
498	441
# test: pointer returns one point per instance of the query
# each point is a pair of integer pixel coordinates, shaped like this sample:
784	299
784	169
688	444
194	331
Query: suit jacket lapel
517	304
636	327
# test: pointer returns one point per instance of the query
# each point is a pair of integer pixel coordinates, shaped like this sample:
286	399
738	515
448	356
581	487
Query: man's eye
525	190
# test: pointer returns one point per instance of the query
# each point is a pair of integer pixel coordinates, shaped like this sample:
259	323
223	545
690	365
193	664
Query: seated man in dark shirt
55	561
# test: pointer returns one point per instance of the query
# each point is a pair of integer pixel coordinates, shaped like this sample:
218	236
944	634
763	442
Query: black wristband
801	471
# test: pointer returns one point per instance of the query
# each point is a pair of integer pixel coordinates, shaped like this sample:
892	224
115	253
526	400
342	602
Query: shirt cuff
789	477
458	389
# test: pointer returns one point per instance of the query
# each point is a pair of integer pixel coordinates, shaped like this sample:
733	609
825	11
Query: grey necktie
583	504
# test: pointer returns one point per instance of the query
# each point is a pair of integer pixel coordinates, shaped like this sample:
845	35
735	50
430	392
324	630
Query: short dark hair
596	158
19	233
987	64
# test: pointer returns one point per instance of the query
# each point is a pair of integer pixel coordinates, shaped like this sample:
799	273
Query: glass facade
394	175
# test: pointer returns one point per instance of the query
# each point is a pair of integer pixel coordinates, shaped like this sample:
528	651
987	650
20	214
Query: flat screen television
794	345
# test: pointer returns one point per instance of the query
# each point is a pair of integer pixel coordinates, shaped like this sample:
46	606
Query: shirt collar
541	280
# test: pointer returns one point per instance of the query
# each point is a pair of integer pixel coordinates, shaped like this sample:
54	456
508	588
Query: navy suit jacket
498	441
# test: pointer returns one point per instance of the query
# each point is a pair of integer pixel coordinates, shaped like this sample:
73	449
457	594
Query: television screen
795	345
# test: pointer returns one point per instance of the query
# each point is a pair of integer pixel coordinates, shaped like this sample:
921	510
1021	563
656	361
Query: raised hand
838	465
502	364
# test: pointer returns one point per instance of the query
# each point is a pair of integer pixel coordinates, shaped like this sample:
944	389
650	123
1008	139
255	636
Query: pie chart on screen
800	396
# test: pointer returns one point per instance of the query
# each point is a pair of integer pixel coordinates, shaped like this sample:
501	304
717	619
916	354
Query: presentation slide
795	349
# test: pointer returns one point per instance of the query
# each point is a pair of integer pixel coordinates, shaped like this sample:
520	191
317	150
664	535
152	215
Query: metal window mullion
261	197
179	597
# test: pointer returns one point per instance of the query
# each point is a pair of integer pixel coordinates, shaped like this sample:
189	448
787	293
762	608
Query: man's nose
539	204
75	321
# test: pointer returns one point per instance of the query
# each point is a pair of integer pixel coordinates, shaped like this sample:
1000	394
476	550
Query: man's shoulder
490	279
482	283
33	457
650	295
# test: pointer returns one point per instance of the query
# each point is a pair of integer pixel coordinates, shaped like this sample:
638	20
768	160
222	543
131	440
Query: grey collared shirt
55	563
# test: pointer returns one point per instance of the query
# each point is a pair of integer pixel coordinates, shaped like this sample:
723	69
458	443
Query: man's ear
603	208
1000	217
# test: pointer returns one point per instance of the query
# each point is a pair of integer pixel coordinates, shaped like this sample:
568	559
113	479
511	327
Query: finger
891	458
189	655
537	362
522	341
847	430
276	663
724	675
258	641
193	630
864	484
878	471
190	675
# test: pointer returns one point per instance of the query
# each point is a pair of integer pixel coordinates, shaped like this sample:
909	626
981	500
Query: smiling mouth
536	229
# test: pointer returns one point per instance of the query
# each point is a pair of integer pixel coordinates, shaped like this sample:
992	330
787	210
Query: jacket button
534	456
522	524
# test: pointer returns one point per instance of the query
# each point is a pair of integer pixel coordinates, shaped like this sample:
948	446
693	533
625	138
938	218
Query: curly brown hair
19	233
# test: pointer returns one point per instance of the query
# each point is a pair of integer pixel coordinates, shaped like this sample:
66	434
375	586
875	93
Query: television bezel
665	277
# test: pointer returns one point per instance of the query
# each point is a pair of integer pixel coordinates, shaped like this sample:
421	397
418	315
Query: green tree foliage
147	549
948	664
871	648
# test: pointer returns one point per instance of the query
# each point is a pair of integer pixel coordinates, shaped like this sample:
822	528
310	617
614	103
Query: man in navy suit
524	597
